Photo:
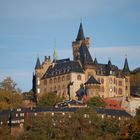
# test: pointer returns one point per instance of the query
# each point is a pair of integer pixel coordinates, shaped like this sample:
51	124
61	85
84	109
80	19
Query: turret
126	69
80	35
38	66
77	43
109	63
95	61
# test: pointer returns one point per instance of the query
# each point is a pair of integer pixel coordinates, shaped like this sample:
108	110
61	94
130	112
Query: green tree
49	100
84	124
96	102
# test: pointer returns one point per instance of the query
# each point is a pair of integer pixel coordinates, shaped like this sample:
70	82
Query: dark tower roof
109	63
80	35
95	61
85	56
91	80
126	69
38	66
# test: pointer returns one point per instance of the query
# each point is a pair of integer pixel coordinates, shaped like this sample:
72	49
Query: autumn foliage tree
10	96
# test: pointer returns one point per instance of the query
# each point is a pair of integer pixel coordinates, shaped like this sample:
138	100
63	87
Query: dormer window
64	70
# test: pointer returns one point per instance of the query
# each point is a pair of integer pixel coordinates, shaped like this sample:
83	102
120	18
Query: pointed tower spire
126	69
95	61
38	66
54	55
80	35
109	62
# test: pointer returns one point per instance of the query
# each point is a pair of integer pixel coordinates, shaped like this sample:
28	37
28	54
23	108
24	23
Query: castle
104	80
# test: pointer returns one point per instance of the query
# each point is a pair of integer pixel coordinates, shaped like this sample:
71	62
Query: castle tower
37	66
77	43
36	79
92	87
126	69
126	72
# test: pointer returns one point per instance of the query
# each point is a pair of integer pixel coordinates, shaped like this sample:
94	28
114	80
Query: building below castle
72	79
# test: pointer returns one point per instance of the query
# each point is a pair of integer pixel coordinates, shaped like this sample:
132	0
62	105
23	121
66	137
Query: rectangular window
120	83
38	90
38	81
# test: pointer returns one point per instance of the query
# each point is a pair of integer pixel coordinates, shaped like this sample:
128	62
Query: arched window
114	81
55	80
59	79
78	77
38	81
120	83
114	89
63	78
50	81
38	90
45	82
120	91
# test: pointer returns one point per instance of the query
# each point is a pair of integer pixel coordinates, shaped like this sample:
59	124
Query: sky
33	28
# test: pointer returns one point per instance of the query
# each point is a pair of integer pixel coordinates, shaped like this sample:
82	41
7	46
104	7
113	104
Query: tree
84	124
49	100
9	85
96	102
10	96
9	100
131	131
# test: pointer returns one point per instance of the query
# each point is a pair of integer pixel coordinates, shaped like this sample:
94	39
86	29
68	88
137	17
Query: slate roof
80	35
38	66
62	68
4	114
104	69
85	56
112	112
62	60
126	69
92	80
81	91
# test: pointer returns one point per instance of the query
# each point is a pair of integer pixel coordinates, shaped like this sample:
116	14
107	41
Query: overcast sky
30	28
